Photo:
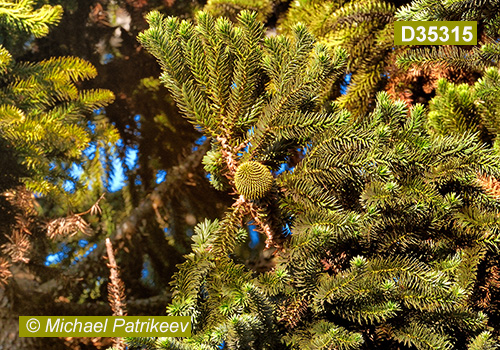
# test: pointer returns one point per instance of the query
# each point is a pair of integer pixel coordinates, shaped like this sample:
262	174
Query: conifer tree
231	8
381	227
42	109
460	108
365	29
472	58
45	126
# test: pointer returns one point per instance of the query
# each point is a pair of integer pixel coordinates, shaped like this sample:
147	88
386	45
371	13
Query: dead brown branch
116	291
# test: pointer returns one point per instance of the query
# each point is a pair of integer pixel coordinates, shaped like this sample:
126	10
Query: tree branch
176	176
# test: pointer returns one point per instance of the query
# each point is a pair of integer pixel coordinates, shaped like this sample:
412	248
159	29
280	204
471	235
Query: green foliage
473	59
46	123
389	224
213	163
476	58
325	335
483	341
464	108
365	29
387	178
453	109
231	306
42	112
5	59
216	72
390	228
18	20
231	8
20	15
452	10
43	117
